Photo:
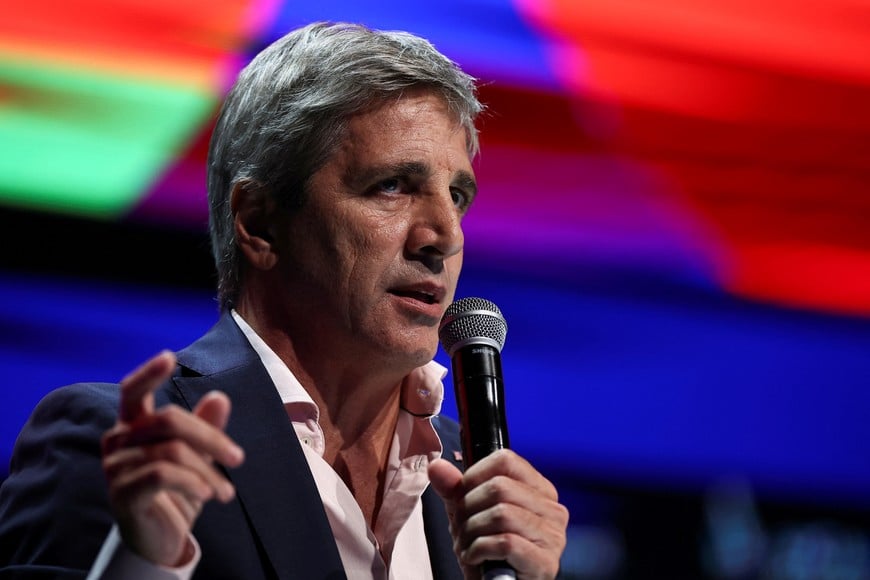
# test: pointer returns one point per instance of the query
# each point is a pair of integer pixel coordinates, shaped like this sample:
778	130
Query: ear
253	217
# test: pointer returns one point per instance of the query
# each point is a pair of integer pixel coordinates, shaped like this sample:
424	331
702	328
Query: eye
391	185
460	199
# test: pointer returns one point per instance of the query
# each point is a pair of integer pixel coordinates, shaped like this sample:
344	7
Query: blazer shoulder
94	400
54	510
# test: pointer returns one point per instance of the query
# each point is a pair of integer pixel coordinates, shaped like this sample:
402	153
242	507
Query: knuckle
500	515
563	515
548	489
505	544
502	457
157	474
497	488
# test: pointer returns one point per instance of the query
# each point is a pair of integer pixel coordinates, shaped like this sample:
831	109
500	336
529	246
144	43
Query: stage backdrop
674	217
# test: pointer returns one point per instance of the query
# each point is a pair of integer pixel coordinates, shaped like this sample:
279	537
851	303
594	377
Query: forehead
418	120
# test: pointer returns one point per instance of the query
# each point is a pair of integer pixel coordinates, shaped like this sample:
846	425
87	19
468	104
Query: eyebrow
375	172
418	169
466	181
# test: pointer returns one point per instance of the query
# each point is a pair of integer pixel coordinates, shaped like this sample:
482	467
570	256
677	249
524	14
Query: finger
543	530
214	409
134	489
526	558
446	480
137	388
172	422
132	458
507	463
502	490
114	439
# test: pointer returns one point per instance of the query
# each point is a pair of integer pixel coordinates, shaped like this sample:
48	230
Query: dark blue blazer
54	513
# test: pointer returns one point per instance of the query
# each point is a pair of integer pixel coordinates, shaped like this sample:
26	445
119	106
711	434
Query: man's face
372	259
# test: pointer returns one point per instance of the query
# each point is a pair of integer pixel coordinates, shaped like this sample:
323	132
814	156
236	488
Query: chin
417	352
419	356
404	344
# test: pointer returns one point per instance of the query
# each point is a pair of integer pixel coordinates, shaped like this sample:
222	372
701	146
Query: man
339	172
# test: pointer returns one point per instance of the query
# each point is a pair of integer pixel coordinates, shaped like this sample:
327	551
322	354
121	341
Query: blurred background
674	218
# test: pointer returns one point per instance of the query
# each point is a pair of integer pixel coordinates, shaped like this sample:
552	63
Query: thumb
446	480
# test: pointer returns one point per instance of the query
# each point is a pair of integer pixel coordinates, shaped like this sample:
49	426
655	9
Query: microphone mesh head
472	321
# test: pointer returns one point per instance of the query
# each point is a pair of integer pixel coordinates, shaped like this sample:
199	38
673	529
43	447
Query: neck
358	420
358	398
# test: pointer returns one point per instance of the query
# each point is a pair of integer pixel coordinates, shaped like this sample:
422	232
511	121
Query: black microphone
473	332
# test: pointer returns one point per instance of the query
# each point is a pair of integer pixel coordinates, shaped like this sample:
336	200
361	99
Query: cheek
365	254
383	239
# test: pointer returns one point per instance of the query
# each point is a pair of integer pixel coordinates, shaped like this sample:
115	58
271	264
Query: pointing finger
137	388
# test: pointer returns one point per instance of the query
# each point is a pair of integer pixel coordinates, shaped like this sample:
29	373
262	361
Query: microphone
473	332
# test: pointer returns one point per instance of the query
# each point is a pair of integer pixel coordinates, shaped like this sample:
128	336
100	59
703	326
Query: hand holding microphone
473	332
505	516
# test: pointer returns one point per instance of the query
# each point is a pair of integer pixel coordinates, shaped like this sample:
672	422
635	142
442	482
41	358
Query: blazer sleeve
54	513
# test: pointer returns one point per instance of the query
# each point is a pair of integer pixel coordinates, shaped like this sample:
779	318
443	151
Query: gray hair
290	107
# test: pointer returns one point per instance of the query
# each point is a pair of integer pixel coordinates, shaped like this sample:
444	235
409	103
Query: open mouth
425	297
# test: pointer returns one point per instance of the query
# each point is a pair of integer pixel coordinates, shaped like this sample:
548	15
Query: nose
436	233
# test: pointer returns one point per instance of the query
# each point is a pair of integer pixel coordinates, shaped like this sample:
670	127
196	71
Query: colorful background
674	217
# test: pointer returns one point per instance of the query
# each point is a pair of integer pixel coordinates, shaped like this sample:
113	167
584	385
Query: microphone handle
479	390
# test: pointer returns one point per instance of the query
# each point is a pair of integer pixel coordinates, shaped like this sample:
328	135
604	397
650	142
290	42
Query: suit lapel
274	485
438	539
435	522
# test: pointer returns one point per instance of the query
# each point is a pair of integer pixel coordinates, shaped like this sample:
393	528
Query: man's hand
159	464
503	509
